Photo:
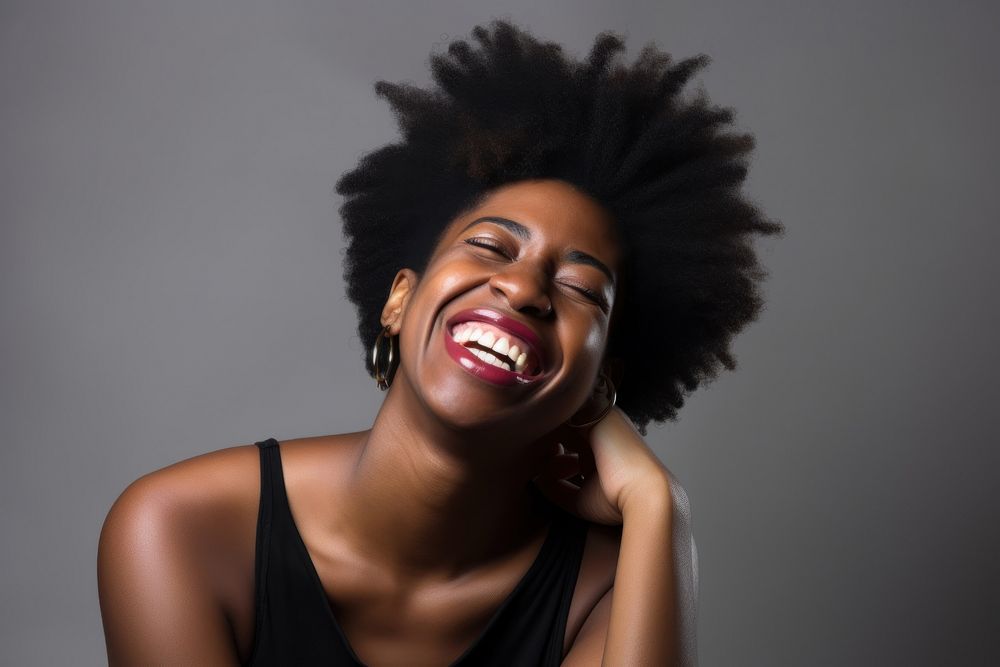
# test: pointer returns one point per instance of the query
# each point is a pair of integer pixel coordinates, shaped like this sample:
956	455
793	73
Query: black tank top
295	624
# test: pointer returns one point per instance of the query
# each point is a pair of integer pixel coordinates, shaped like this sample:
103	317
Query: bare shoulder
211	480
200	504
214	497
176	558
160	556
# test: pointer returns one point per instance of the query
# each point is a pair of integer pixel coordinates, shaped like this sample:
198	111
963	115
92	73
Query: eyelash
496	247
491	245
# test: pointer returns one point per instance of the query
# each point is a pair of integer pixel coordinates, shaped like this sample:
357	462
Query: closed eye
490	245
590	294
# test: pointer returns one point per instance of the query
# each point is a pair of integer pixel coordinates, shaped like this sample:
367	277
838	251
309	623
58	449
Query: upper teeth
506	355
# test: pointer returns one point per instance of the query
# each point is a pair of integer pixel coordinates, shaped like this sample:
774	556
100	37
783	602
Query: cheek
432	294
449	282
592	337
588	340
449	274
596	338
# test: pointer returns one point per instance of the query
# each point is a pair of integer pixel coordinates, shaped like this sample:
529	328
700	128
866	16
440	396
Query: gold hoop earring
382	379
606	410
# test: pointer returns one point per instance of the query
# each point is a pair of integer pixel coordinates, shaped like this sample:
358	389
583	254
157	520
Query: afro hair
513	108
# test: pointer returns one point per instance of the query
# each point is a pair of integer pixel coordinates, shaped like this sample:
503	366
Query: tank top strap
272	510
265	517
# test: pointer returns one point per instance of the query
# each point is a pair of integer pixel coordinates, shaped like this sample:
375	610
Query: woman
553	253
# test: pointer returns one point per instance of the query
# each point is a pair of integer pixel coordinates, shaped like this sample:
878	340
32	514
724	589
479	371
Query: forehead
554	212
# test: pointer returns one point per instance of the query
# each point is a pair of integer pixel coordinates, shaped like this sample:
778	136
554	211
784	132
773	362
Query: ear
402	288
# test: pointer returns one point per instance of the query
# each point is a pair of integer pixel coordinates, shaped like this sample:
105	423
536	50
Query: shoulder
187	480
177	551
208	504
186	502
164	562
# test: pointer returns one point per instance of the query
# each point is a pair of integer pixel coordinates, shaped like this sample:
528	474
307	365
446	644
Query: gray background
171	284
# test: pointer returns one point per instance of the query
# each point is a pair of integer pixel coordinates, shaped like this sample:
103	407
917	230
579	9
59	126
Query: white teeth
507	356
489	358
501	346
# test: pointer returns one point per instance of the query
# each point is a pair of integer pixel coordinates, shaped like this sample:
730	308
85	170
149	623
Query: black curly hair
515	108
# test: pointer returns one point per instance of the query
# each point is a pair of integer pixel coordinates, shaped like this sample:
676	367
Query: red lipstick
487	371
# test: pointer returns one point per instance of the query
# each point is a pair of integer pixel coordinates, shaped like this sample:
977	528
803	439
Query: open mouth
497	347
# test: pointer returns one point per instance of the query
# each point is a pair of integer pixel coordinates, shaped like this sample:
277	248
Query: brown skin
425	520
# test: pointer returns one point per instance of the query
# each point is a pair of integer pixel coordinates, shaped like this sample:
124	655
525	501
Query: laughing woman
554	253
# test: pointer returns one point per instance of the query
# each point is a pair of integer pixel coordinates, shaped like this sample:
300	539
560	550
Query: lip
479	367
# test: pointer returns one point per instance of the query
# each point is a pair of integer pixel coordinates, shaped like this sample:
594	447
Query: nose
524	287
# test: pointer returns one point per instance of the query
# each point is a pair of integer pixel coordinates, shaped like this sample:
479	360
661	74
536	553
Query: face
533	266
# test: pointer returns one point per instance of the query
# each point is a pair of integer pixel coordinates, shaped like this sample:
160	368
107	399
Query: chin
459	417
458	411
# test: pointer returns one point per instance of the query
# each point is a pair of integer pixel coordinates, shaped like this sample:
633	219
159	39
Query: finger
573	439
577	441
560	492
588	464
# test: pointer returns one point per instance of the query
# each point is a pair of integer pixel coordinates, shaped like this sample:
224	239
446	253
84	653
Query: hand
616	463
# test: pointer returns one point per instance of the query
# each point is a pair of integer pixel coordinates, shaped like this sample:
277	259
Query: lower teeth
482	355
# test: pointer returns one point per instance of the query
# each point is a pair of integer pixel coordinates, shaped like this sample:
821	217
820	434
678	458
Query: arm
157	604
635	622
643	625
649	616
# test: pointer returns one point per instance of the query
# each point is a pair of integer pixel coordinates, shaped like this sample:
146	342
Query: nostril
522	296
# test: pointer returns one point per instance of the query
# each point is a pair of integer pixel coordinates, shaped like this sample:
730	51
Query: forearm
643	628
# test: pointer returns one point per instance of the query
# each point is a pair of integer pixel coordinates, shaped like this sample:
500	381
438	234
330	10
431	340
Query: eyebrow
572	255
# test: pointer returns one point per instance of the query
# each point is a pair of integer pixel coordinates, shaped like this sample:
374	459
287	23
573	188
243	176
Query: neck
432	501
